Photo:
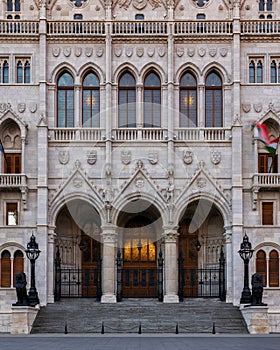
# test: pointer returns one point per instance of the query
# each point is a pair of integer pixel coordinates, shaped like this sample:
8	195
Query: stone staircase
139	315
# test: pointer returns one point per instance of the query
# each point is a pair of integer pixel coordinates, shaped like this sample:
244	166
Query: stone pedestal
23	318
256	318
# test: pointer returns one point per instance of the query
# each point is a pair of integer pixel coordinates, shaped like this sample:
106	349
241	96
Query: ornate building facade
129	151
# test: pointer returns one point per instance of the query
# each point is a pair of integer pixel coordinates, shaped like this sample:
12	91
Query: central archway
140	228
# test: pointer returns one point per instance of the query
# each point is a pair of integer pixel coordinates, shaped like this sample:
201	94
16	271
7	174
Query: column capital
109	233
228	234
170	234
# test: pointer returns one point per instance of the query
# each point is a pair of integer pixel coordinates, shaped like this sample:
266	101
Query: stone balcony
140	134
266	181
137	28
12	181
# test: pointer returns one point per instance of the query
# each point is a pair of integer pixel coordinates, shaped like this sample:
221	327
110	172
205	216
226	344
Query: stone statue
257	289
22	298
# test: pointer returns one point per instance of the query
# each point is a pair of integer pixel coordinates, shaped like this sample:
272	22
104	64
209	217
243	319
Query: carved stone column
108	236
50	263
229	267
77	107
170	265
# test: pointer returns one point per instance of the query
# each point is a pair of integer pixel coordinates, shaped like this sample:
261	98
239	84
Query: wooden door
90	266
139	261
187	245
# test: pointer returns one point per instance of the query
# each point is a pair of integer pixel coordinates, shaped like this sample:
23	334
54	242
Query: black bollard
177	329
140	329
213	328
65	328
102	328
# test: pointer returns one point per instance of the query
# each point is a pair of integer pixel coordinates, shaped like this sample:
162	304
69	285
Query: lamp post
32	253
246	253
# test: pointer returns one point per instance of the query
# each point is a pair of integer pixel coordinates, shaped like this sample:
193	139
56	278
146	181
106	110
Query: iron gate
77	282
204	283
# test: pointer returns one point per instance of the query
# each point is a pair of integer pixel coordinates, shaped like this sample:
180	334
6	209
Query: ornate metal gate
204	283
77	282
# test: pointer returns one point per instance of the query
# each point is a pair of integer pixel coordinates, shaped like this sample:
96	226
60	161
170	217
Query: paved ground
140	342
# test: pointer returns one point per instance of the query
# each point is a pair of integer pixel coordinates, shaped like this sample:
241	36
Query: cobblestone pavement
139	342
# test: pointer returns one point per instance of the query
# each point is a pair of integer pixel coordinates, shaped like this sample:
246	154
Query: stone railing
260	27
195	27
147	28
137	134
203	134
76	134
75	27
19	27
266	180
12	180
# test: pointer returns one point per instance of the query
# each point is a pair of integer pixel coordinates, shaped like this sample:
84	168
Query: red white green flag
270	145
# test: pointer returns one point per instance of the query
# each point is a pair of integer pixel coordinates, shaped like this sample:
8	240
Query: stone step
88	316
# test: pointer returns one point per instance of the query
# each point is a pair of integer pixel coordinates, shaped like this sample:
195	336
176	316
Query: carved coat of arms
126	157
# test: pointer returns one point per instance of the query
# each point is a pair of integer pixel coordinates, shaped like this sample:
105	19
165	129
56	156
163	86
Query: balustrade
12	180
266	180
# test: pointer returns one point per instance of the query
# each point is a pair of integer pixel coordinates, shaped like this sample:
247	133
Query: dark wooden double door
139	274
91	267
188	269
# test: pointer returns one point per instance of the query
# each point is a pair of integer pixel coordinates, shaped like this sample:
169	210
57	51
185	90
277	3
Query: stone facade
168	173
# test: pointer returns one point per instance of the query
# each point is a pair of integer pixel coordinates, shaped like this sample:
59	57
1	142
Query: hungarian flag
270	145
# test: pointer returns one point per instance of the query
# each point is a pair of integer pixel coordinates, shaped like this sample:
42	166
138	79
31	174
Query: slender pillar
108	236
50	264
77	107
170	267
229	266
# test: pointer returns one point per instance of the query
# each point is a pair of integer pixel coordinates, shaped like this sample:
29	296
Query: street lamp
32	253
246	253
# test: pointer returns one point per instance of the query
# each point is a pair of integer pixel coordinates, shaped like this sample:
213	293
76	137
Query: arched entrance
200	251
139	232
78	251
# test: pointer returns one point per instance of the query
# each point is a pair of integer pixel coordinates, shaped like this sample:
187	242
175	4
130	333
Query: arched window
127	100
91	101
252	72
23	71
261	5
18	264
188	100
152	101
268	5
27	72
17	5
213	101
273	269
19	72
259	72
273	72
261	265
10	5
5	269
65	101
5	78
